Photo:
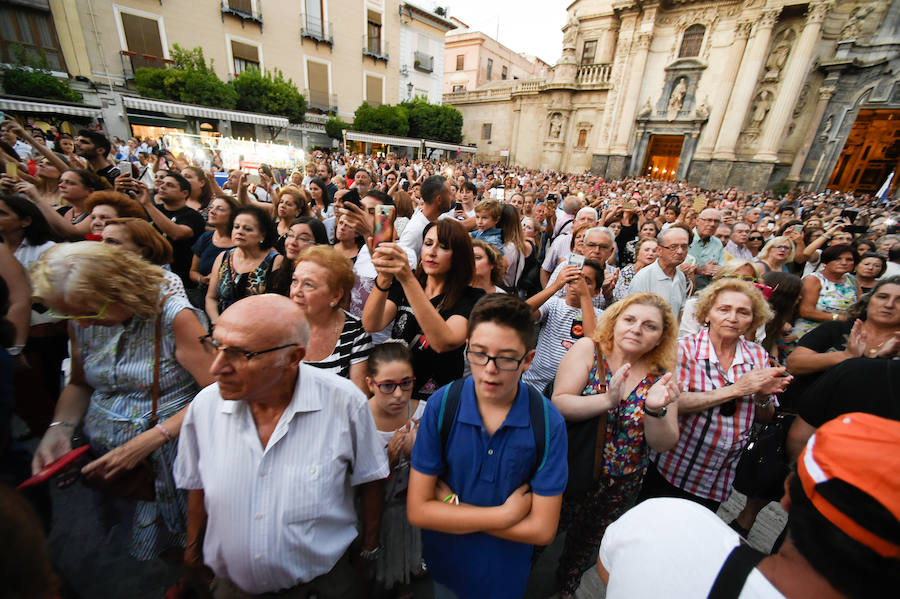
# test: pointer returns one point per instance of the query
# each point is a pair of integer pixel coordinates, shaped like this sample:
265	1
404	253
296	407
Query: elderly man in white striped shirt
271	453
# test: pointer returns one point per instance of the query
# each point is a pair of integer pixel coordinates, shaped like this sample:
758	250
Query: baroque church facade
719	93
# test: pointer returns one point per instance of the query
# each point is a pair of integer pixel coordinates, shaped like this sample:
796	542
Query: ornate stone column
794	77
825	94
742	93
724	88
631	99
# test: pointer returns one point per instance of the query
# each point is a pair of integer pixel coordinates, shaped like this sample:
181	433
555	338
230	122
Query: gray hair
661	238
604	230
590	209
571	205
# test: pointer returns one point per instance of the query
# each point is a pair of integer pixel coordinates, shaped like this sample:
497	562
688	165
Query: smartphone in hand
384	225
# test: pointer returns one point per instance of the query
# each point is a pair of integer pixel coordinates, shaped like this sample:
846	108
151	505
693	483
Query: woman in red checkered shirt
726	383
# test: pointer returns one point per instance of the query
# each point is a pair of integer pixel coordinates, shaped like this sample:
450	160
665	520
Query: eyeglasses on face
754	239
781	247
741	277
592	245
388	387
54	314
501	362
301	238
675	247
236	354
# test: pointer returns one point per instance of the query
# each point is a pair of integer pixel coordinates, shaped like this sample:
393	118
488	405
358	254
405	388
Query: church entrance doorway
663	152
871	152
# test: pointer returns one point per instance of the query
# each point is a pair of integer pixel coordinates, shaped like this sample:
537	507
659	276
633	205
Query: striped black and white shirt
353	346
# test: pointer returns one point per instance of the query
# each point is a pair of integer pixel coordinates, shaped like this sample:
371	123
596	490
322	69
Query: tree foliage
189	80
334	127
383	120
439	122
32	78
269	93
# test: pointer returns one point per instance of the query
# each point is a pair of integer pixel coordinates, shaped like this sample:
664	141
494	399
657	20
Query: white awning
436	145
204	112
24	106
389	140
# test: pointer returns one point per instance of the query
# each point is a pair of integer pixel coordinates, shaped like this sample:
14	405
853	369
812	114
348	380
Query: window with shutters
692	41
318	94
244	6
34	32
490	68
142	35
504	73
582	138
374	90
589	52
244	56
460	62
486	131
459	88
373	33
315	27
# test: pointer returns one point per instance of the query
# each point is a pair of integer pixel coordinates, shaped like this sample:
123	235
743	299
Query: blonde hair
661	357
764	252
732	266
339	181
339	267
762	313
300	196
492	208
91	273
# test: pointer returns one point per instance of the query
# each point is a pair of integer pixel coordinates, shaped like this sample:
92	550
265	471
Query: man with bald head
706	249
270	453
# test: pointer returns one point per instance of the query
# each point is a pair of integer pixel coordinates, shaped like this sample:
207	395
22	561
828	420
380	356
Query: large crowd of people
379	368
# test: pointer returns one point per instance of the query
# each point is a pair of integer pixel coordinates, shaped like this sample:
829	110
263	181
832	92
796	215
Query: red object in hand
55	467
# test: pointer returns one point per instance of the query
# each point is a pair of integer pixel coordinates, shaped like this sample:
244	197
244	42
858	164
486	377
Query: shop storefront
63	116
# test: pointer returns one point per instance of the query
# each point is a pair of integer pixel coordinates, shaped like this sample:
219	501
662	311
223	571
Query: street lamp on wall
409	90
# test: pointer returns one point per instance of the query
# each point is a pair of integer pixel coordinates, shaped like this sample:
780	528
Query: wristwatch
660	414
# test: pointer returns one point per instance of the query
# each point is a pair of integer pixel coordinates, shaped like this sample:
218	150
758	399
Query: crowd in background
678	322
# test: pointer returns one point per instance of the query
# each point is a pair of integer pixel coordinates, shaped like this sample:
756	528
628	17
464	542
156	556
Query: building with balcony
473	59
715	93
421	53
336	52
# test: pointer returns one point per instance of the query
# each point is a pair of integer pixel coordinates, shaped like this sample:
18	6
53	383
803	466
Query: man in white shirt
436	197
561	247
737	245
271	453
663	277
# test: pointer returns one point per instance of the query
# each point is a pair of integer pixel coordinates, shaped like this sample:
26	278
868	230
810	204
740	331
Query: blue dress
118	365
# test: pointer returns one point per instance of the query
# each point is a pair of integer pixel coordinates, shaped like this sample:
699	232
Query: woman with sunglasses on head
726	384
117	315
618	369
829	293
249	267
390	381
321	285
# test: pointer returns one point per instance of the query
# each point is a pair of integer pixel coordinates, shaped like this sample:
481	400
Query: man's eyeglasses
675	247
592	245
235	354
388	387
53	314
501	362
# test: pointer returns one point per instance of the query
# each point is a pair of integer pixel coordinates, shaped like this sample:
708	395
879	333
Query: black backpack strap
540	426
733	575
449	409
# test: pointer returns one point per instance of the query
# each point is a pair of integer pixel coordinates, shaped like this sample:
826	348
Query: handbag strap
157	343
600	438
734	573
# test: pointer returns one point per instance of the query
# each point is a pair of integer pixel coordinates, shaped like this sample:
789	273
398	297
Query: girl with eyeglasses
210	244
389	377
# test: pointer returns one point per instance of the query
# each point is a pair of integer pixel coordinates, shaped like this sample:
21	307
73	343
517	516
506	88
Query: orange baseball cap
860	450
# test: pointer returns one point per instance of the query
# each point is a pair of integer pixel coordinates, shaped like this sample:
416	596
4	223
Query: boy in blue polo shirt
486	496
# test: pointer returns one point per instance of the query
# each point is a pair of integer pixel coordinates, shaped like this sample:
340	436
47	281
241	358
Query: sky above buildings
527	27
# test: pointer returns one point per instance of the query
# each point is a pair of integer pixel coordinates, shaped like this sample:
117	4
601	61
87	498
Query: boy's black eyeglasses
501	362
233	354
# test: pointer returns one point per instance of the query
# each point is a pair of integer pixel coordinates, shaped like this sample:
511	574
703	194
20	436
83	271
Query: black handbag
762	464
587	439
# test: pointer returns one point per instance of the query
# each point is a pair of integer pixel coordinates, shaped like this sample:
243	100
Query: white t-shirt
562	327
560	249
669	547
452	214
412	233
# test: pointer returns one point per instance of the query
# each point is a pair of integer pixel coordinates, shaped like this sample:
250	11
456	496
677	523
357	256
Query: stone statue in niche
555	126
571	31
853	27
779	56
646	109
761	106
676	100
829	123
